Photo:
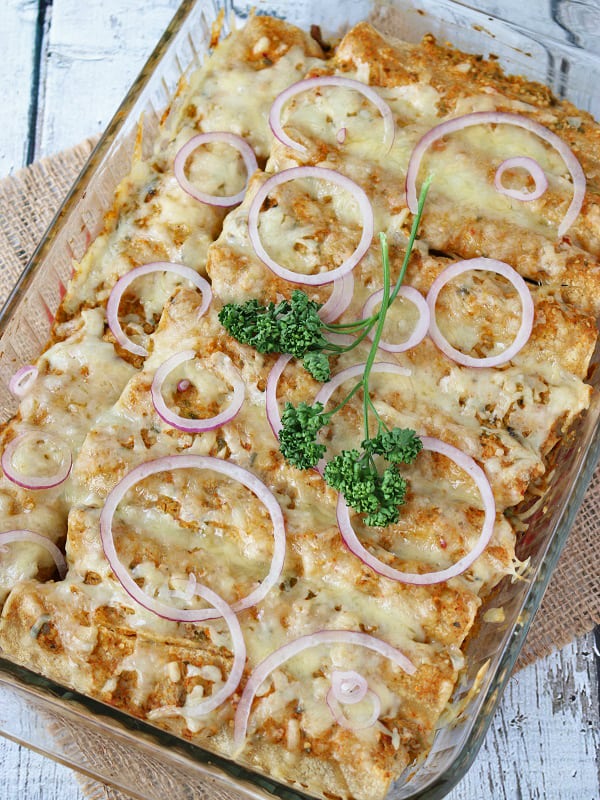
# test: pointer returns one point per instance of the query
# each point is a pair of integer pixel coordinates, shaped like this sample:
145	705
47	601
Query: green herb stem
379	330
411	238
346	399
294	326
336	327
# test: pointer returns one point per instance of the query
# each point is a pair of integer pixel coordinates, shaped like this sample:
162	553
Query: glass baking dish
125	752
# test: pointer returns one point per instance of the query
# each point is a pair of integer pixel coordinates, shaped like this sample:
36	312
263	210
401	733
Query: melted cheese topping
153	219
60	405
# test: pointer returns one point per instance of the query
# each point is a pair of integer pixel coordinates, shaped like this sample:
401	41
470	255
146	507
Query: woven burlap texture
571	607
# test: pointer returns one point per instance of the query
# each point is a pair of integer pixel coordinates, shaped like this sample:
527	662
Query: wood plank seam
597	662
44	18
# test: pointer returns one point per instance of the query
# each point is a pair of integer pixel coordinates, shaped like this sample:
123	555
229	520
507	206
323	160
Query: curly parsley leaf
398	446
292	326
318	366
298	434
365	490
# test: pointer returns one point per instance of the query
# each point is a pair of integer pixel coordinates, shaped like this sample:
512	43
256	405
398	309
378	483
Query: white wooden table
65	65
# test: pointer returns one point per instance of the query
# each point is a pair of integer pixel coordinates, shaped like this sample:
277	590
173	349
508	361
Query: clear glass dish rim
99	151
95	711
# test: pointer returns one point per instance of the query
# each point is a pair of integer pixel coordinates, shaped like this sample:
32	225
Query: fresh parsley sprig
291	326
369	485
295	327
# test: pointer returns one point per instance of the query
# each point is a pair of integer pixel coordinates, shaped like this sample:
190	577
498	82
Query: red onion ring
287	651
338	302
168	463
532	167
500	118
317	83
356	370
241	145
190	589
421	328
322	173
348	686
24	535
339	299
118	290
30	481
183	385
486	265
192	425
339	338
341	135
271	407
325	392
22	381
333	702
474	471
224	610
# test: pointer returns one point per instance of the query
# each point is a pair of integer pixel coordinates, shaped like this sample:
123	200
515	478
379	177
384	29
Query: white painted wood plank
17	38
94	52
29	776
544	741
573	21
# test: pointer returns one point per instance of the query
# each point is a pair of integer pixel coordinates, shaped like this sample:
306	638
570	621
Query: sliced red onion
532	167
118	290
339	299
321	173
190	589
47	310
338	302
348	686
333	703
241	145
339	338
221	609
192	425
421	328
272	409
355	371
169	463
317	83
500	118
22	381
474	471
183	385
271	405
31	481
341	136
527	314
23	535
293	648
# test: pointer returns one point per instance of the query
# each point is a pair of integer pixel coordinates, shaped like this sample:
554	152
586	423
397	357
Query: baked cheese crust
83	371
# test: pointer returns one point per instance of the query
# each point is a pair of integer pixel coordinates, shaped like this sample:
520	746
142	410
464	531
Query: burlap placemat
571	607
